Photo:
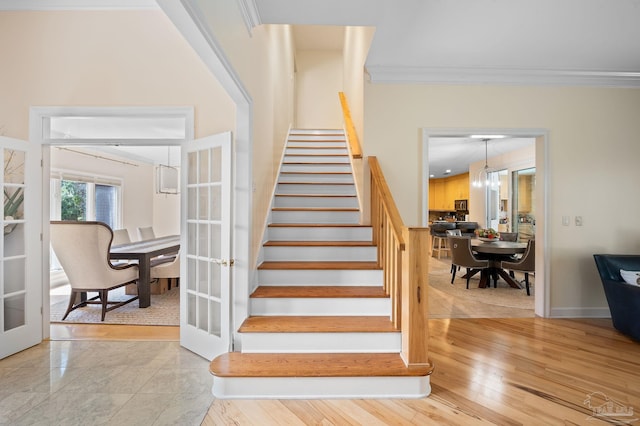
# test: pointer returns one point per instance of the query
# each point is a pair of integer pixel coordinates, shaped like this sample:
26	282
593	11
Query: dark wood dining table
496	252
143	252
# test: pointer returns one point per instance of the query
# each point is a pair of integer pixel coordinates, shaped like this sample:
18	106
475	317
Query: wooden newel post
415	296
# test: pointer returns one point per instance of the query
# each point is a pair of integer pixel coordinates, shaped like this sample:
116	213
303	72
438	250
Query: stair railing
403	255
352	136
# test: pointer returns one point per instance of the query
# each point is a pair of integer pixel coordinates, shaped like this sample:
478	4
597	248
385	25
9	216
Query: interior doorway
105	147
540	141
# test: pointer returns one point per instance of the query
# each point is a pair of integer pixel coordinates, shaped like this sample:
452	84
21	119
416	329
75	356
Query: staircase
320	319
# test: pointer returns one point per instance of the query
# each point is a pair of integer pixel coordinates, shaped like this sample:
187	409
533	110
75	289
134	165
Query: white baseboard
580	312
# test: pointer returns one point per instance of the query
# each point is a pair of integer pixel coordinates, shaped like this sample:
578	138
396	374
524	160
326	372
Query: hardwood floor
518	371
114	332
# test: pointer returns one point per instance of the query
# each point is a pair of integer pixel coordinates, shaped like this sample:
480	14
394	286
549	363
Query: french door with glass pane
20	247
205	257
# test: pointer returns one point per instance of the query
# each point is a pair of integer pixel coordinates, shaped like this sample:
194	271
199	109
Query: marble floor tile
104	382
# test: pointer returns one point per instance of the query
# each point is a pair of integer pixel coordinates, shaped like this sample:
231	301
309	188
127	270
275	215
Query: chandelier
482	178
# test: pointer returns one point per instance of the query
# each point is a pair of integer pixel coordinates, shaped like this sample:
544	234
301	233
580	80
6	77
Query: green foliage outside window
73	200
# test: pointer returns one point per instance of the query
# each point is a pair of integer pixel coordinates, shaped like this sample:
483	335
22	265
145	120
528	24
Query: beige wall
357	41
593	150
263	61
106	58
319	78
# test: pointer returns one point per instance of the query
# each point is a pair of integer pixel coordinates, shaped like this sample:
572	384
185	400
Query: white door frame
39	122
542	293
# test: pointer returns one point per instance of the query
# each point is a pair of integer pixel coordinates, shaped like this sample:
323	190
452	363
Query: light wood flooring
517	371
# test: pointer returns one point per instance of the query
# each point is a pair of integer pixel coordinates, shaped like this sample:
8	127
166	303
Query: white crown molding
250	14
34	5
384	74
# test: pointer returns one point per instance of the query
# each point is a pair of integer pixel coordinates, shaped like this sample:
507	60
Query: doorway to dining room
519	149
104	165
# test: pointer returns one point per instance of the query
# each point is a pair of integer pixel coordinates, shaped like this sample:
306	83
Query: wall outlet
578	220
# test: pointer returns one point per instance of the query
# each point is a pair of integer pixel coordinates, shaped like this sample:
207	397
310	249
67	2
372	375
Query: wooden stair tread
317	155
315	173
308	163
319	292
342	146
318	225
237	364
315	183
318	244
317	324
319	265
315	209
318	195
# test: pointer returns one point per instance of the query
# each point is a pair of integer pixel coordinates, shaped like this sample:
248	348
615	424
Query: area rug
474	302
164	310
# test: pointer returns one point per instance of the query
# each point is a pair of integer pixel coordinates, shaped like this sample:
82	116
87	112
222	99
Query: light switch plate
566	220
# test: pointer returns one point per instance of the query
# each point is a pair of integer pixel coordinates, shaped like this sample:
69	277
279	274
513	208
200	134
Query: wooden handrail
352	135
403	255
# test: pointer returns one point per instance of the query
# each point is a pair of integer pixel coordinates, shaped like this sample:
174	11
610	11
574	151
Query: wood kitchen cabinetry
443	192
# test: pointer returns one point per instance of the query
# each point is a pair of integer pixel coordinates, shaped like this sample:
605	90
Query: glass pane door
20	247
206	208
524	197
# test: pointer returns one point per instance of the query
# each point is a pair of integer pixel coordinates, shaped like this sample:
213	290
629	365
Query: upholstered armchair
83	251
623	297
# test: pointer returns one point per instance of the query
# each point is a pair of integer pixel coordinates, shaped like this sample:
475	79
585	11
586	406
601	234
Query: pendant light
482	178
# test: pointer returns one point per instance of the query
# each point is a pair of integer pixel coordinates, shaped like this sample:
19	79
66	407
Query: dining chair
146	233
526	264
169	270
454	233
82	249
461	255
120	236
509	236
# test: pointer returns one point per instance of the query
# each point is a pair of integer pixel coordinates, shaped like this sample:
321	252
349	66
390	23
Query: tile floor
104	383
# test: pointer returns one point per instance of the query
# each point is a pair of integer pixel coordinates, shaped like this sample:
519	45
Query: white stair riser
319	144
320	306
316	134
314	151
315	177
356	233
321	387
301	216
329	202
347	277
301	188
321	342
320	254
319	167
316	159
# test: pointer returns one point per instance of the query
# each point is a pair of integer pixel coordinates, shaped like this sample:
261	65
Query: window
79	197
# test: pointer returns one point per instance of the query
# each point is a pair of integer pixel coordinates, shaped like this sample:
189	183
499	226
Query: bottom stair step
318	375
314	334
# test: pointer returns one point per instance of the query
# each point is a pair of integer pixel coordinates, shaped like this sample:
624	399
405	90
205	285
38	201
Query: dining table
495	252
143	252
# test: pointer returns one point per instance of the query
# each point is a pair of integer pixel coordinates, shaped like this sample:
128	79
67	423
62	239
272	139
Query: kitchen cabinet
443	192
525	193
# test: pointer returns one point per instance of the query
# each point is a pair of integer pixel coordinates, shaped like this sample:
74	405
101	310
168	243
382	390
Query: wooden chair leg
453	273
103	299
526	283
72	300
468	277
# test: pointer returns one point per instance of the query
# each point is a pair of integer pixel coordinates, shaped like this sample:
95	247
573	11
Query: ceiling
588	42
456	153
